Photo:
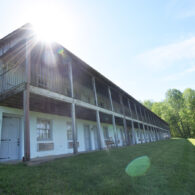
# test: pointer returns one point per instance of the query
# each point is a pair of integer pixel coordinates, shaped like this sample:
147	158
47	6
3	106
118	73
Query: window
106	133
69	131
44	130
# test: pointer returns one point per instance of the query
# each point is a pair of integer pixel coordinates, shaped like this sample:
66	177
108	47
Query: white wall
59	132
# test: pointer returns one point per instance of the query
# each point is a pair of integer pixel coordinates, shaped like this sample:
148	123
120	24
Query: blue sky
146	47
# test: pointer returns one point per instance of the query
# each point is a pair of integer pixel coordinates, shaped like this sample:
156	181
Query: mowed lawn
172	171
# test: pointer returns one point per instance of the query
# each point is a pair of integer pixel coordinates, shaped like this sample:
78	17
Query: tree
148	104
178	110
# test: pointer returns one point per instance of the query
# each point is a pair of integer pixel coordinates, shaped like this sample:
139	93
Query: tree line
178	110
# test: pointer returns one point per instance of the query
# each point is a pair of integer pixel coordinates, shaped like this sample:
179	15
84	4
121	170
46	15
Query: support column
138	119
144	133
136	111
132	133
1	123
124	121
97	115
152	134
74	131
149	131
113	118
156	134
143	125
134	141
140	133
126	134
26	105
99	130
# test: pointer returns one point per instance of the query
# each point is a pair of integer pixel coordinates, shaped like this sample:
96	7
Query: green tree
178	110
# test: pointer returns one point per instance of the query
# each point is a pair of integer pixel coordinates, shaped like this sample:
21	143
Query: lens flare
138	166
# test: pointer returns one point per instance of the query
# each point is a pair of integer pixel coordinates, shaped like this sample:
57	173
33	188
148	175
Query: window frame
51	130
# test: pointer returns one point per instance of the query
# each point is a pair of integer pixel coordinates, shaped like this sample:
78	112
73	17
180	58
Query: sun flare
50	22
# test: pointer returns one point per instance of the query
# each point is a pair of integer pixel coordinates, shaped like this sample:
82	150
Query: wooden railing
11	77
84	93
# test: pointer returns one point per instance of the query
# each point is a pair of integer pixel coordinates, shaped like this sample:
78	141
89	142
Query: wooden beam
63	98
97	115
143	124
113	118
73	115
133	133
26	103
124	121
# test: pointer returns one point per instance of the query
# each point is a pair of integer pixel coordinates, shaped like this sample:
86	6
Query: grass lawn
172	171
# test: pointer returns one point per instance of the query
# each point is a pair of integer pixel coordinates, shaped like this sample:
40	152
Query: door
87	137
122	136
95	137
10	139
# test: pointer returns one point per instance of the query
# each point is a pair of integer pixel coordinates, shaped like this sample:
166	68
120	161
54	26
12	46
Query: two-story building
53	103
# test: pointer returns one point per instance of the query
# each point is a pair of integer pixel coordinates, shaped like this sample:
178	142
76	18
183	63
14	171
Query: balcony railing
11	76
117	107
84	93
103	101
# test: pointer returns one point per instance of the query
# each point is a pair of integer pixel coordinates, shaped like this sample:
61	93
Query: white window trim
51	126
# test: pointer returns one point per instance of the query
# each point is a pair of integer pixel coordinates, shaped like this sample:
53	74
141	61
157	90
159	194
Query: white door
10	139
87	136
122	136
95	137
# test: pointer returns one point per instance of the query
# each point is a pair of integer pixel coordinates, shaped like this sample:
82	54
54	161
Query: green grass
172	171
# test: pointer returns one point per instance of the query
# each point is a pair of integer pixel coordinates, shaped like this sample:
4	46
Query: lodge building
53	103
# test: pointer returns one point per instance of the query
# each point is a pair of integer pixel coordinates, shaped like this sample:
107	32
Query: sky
144	46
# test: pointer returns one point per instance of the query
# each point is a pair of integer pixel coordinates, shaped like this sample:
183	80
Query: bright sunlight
50	22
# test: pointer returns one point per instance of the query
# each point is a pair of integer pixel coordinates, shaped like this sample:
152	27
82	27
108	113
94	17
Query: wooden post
130	109
124	121
133	133
140	131
74	131
97	115
150	138
113	118
26	104
152	134
136	111
155	134
143	125
148	121
144	133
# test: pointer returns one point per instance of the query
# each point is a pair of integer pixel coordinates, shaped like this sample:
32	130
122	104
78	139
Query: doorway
10	138
87	138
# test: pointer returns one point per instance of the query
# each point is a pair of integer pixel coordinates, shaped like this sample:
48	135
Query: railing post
113	118
73	114
26	103
97	115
